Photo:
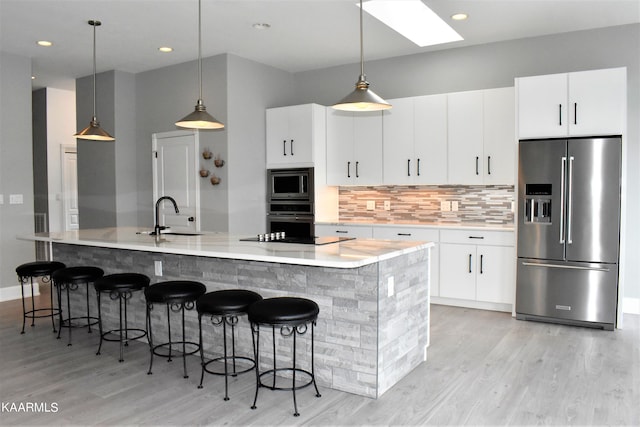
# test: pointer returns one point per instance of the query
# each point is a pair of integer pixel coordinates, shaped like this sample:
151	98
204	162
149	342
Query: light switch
371	205
16	199
445	206
454	206
387	205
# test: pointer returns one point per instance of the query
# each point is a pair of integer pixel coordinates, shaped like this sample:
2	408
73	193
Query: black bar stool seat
291	315
120	287
224	307
178	296
29	271
70	278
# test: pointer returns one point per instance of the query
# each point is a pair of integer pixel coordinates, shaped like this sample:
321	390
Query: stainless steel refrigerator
569	231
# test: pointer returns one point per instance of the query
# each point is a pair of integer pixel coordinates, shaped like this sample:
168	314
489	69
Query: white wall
61	113
496	65
15	169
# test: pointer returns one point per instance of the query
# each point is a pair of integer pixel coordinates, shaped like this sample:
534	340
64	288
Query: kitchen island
373	327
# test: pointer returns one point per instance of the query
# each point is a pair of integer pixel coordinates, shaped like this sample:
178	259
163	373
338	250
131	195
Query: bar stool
178	296
29	271
224	307
120	287
292	315
70	278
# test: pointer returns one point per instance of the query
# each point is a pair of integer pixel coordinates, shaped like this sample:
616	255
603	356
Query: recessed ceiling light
459	16
45	43
165	49
414	20
261	26
33	77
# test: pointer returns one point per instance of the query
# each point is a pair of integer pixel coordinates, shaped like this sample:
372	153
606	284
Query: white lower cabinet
415	233
363	232
478	266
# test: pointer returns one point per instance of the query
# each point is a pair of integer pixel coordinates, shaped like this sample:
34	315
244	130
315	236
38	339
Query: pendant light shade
199	118
94	132
362	98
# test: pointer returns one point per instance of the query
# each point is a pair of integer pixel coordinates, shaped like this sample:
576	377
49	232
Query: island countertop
347	254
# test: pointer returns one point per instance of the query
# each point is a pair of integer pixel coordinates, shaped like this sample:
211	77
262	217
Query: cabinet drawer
478	237
362	232
406	233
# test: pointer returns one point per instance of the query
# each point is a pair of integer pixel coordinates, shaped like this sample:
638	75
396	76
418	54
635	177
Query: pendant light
200	119
94	132
362	98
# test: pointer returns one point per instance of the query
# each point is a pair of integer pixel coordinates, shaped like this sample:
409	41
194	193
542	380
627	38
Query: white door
70	189
175	171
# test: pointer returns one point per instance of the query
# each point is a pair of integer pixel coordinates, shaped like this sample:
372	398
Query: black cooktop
324	240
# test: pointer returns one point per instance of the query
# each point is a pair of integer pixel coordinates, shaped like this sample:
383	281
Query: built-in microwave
290	184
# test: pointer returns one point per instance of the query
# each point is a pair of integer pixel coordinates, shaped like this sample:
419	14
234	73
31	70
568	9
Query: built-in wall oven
290	202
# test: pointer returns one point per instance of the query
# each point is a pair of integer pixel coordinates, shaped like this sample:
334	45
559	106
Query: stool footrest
177	344
141	334
66	323
297	387
50	312
252	365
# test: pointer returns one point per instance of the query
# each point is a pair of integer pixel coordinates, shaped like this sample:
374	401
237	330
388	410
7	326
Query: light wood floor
484	368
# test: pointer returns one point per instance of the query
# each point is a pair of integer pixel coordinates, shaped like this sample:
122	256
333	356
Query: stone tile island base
366	340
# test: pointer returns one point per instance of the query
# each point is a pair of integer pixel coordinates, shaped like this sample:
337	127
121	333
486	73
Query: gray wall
496	65
15	166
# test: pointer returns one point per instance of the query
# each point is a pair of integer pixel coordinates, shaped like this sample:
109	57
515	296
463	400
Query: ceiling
304	34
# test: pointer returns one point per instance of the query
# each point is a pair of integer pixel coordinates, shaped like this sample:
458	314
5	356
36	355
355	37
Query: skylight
412	19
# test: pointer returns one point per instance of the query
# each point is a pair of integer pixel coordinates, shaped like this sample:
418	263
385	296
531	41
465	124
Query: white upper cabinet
354	148
415	141
291	134
582	103
499	134
481	137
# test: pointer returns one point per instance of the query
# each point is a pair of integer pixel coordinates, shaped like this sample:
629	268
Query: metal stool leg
150	338
69	312
201	349
88	314
120	296
99	322
184	347
169	329
52	310
59	294
33	305
226	372
313	372
293	380
255	335
24	308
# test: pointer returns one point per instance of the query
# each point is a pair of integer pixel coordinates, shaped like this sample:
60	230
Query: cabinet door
542	106
430	139
340	134
300	147
457	271
465	137
495	274
277	135
398	142
597	102
499	147
367	131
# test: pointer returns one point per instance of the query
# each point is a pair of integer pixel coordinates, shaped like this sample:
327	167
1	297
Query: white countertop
348	254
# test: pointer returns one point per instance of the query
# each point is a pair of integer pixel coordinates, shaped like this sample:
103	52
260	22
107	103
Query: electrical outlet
513	207
371	205
1	199
157	265
390	286
454	206
16	199
445	206
387	205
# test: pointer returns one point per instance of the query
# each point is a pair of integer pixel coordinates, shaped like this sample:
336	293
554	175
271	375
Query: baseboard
13	292
631	305
481	305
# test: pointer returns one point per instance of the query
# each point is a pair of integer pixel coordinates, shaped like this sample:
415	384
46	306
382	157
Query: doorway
70	213
175	169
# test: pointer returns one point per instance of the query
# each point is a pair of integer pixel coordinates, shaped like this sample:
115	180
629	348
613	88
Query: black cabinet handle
559	114
476	237
342	231
191	219
418	167
357	173
284	147
575	113
404	234
489	165
477	166
481	257
292	147
408	167
348	169
469	263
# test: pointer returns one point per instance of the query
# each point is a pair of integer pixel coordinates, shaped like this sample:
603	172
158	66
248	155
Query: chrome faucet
157	227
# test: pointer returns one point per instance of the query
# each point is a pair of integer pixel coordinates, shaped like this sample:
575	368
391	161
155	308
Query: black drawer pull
476	237
404	234
342	231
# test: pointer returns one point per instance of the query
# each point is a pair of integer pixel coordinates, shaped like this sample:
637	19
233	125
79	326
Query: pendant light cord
200	47
94	24
361	44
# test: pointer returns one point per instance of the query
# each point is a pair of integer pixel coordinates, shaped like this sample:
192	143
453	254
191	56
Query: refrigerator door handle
571	267
570	201
562	173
